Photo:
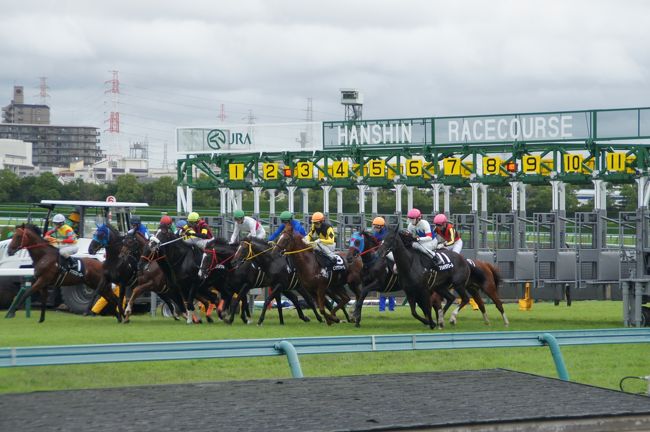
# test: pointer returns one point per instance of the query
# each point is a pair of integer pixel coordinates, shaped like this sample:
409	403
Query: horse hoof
306	319
357	324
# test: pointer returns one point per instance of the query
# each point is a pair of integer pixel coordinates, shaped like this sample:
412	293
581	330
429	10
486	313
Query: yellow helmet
74	217
318	217
379	221
193	217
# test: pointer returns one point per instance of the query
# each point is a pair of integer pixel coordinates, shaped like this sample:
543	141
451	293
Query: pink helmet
414	213
440	219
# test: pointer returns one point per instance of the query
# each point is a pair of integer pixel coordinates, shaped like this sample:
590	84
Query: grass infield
601	365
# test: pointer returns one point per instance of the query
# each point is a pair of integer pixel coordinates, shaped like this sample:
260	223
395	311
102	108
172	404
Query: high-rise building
52	145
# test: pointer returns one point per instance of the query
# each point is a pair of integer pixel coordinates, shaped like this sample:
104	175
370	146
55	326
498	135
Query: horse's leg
19	302
450	299
310	302
413	304
473	290
293	298
358	305
321	300
464	300
43	302
269	298
491	291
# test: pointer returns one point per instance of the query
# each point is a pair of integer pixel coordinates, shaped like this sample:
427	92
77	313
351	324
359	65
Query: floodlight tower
352	100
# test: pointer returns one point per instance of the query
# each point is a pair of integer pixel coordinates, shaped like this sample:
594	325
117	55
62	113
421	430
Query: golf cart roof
93	203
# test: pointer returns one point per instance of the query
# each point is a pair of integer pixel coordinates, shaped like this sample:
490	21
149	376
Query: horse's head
16	240
287	237
217	252
406	237
356	246
25	236
101	238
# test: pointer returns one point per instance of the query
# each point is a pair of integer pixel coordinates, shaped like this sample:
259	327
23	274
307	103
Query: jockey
447	231
379	231
166	222
184	230
321	236
200	226
286	217
136	226
64	238
421	230
379	228
246	225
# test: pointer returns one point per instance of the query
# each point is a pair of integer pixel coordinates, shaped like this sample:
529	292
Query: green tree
163	192
45	186
128	188
9	186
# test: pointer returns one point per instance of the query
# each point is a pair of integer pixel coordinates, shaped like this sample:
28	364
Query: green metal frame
212	169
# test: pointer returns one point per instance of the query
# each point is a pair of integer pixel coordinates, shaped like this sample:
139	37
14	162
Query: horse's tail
495	274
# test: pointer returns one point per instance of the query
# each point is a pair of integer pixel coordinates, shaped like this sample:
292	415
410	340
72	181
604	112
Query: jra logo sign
219	138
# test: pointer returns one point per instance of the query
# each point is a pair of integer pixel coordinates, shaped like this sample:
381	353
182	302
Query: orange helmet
74	216
318	217
379	221
166	220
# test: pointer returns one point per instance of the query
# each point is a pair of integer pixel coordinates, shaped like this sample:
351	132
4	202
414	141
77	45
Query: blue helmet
180	223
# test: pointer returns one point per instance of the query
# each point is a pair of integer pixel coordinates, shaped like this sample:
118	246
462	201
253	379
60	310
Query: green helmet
286	216
237	214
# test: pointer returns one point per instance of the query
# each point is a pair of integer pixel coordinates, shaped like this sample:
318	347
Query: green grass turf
602	365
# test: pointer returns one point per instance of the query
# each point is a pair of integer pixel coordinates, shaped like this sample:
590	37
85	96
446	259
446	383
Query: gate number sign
236	171
270	171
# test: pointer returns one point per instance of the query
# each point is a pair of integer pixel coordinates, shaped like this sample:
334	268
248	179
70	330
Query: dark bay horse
377	273
180	265
279	276
315	279
117	269
150	277
420	277
47	272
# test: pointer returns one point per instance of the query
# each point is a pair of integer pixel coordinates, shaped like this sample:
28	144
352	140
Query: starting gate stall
555	262
635	287
595	147
346	225
598	264
221	226
514	259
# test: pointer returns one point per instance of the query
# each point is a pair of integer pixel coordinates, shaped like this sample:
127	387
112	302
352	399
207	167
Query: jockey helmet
58	218
286	216
440	219
181	223
318	217
193	217
379	221
135	219
238	214
166	220
414	213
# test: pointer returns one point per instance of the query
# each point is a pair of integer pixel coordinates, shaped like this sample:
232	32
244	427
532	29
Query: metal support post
362	197
223	194
447	189
290	197
292	357
271	201
398	197
305	201
339	200
409	196
436	197
257	192
374	193
326	198
550	340
474	186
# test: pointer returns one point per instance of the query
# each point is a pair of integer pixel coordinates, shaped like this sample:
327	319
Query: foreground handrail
293	347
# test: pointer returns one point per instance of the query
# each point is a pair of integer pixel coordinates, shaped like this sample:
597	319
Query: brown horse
490	287
318	281
47	271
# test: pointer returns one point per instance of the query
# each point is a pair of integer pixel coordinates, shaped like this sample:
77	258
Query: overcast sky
178	62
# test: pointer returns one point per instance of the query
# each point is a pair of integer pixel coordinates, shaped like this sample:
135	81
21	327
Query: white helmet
58	218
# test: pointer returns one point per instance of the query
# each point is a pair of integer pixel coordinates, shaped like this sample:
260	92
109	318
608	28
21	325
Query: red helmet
166	220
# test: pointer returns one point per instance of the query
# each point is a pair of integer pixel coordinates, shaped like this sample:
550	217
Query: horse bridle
28	246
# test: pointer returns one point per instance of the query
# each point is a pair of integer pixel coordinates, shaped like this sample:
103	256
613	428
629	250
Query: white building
16	155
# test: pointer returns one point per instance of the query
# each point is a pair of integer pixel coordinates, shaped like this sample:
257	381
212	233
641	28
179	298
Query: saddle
332	264
71	265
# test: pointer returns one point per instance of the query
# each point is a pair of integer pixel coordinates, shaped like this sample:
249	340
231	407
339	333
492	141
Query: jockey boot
63	263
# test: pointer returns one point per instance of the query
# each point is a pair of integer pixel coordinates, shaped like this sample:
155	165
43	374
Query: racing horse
150	277
315	279
275	266
378	275
490	287
181	267
47	271
420	277
117	271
